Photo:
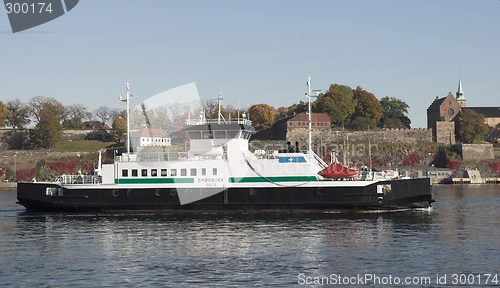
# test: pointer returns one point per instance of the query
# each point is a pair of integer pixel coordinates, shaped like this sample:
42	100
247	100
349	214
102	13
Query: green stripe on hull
231	180
154	180
272	179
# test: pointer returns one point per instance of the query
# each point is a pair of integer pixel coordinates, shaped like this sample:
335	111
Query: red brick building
442	112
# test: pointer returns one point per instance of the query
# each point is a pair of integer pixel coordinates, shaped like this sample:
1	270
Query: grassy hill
81	146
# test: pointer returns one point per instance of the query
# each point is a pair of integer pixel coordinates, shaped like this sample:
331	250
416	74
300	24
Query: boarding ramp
474	176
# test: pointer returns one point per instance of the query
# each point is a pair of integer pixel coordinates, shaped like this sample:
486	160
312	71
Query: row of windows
304	124
155	140
149	140
219	134
164	172
431	173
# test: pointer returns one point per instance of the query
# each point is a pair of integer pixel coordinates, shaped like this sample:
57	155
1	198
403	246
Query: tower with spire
460	95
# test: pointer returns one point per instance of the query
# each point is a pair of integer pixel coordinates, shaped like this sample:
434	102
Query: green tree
367	106
119	128
3	114
48	130
338	102
493	135
470	126
362	123
18	114
299	108
281	112
262	116
9	174
394	113
72	123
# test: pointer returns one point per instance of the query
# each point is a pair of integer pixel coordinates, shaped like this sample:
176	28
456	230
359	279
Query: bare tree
211	108
115	113
104	113
161	111
18	114
159	117
78	111
74	116
37	103
137	120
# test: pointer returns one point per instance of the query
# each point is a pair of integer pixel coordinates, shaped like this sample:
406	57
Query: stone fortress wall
414	136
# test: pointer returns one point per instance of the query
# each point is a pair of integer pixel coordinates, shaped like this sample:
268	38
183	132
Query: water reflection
204	245
46	249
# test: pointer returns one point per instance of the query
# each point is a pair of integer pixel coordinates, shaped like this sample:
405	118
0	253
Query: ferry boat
220	174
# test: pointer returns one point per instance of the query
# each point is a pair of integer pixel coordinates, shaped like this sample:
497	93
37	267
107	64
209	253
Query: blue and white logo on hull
292	159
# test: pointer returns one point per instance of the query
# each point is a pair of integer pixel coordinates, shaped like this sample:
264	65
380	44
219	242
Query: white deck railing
217	121
152	156
78	179
166	156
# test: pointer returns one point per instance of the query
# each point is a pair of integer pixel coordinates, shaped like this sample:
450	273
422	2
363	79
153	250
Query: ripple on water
458	235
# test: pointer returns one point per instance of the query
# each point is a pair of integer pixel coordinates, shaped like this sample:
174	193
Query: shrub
63	167
495	166
412	160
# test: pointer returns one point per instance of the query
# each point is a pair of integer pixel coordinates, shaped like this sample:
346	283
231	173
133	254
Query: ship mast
309	126
369	150
126	99
219	113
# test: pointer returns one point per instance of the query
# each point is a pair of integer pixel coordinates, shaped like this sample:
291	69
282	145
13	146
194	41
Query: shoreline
8	185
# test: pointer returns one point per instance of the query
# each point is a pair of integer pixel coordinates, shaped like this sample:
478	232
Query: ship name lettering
210	180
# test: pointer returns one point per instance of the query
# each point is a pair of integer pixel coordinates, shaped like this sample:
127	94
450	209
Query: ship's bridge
217	138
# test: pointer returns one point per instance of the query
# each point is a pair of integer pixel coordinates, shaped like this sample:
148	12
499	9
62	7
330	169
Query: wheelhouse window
214	171
163	173
173	172
246	135
183	172
207	134
192	172
124	172
203	171
144	172
134	173
220	134
194	134
154	172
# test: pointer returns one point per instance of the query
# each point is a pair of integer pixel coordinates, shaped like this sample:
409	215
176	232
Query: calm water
460	235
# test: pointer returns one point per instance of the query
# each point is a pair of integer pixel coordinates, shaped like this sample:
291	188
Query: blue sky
257	51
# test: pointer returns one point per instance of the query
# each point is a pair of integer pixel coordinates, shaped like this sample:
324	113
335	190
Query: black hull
404	194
